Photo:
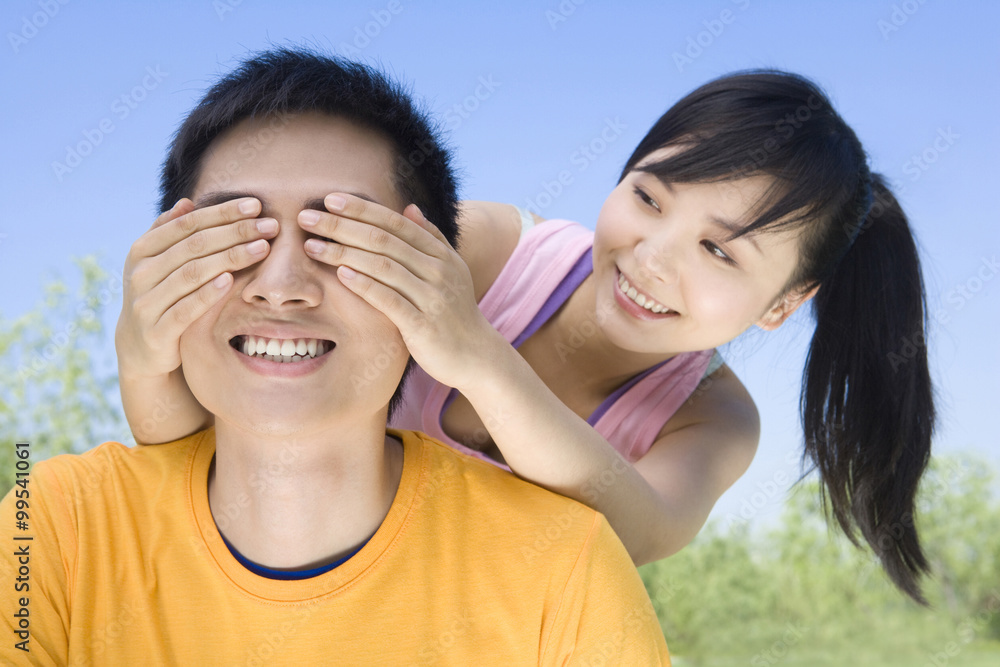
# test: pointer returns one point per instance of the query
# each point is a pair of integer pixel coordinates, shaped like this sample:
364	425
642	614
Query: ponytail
867	406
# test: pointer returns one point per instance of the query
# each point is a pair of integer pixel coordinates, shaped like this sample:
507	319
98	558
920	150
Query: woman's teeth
640	299
283	350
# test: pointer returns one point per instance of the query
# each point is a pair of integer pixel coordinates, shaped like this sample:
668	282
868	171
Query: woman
746	199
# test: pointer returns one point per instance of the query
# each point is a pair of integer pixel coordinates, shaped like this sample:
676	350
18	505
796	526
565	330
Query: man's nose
287	276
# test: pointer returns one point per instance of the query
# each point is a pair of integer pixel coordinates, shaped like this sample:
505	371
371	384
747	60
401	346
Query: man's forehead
304	158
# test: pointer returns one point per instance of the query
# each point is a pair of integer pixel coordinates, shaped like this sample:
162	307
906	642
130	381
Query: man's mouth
281	350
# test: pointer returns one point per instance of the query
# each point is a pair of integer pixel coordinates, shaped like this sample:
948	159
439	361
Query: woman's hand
404	267
177	271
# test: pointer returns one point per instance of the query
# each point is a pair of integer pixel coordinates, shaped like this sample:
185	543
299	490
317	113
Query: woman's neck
601	365
302	500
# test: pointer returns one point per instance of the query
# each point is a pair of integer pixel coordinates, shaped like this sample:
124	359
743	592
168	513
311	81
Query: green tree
798	593
56	393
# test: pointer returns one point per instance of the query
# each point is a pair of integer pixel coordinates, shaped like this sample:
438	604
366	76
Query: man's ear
784	308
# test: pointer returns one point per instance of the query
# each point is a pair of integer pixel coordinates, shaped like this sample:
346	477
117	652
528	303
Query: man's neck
302	500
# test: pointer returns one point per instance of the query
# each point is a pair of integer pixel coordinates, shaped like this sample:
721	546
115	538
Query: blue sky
529	92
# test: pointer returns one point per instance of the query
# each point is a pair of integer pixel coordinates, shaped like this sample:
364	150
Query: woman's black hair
867	403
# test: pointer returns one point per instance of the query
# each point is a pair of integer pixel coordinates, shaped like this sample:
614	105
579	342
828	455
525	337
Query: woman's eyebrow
734	231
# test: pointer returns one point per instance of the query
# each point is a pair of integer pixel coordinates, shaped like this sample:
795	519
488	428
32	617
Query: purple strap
583	268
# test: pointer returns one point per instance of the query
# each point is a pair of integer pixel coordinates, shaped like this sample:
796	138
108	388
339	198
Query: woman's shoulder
491	233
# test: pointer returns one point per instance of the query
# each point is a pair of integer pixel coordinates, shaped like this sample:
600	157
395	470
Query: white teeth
640	299
283	350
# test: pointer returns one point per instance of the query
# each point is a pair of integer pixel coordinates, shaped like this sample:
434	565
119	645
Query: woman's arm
656	506
174	273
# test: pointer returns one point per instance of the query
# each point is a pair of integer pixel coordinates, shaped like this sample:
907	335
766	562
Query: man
299	530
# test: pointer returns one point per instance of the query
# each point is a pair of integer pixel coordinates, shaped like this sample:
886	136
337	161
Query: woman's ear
784	308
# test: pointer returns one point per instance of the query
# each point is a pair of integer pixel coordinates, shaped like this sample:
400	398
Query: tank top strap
632	422
545	256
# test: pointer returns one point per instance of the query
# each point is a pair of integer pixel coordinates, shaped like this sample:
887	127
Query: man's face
351	357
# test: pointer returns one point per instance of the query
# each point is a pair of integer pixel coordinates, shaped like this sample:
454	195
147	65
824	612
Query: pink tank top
550	261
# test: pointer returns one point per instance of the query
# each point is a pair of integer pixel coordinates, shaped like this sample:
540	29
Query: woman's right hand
178	270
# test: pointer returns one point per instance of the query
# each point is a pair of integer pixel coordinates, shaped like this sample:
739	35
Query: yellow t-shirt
471	566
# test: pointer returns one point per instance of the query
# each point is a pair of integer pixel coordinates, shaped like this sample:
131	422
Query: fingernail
248	206
346	272
314	246
308	218
258	247
267	225
222	282
335	202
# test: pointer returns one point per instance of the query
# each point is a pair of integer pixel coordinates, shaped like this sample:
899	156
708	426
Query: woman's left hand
405	268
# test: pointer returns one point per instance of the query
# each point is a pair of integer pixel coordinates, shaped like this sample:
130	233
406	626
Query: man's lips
281	350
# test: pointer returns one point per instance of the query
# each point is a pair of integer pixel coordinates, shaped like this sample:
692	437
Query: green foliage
801	594
54	394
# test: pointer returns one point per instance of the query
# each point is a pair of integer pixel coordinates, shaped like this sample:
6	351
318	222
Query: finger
377	266
350	233
182	206
209	242
414	213
160	238
379	296
150	271
179	316
196	273
345	206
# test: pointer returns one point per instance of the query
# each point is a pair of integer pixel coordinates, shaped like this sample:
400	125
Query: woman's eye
646	199
718	252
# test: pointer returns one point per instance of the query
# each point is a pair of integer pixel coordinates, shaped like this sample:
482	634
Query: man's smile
281	350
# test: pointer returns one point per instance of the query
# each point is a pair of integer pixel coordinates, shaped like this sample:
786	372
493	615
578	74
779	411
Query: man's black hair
282	82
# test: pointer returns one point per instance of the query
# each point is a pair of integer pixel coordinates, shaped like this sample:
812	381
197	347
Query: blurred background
543	102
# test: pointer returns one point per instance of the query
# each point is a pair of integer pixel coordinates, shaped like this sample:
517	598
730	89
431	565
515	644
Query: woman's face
668	275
